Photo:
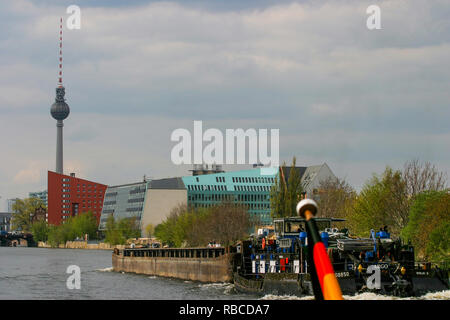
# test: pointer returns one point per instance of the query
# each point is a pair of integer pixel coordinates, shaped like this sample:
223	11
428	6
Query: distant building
40	214
161	197
69	196
123	201
311	177
147	201
250	187
5	221
42	195
11	203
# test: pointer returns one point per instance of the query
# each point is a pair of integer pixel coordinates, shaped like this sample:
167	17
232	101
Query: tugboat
275	262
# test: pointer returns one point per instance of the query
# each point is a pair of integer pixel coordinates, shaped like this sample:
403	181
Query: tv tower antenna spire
60	53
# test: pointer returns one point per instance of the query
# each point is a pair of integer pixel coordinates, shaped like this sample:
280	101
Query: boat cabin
292	226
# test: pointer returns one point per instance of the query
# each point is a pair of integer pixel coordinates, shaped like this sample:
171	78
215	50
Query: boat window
291	227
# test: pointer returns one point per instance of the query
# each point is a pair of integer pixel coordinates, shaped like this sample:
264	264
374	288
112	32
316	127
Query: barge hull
195	269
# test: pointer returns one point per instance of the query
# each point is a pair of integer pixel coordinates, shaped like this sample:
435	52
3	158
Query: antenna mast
60	54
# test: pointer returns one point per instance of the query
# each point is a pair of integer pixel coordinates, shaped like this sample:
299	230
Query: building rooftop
168	183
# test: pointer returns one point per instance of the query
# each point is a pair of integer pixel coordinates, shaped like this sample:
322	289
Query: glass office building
123	201
249	187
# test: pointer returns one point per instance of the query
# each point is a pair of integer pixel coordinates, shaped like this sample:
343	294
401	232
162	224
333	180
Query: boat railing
173	252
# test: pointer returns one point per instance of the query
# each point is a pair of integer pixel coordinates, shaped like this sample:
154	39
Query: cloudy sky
339	93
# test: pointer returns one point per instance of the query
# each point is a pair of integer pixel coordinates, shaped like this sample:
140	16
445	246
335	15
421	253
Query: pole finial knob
306	204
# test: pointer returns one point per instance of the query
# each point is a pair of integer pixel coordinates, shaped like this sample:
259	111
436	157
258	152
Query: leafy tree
74	227
166	231
23	210
150	230
380	203
129	227
294	190
118	232
40	231
113	235
428	226
60	234
284	195
85	223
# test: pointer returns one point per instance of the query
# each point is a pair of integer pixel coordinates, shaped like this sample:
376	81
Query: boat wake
110	269
226	287
441	295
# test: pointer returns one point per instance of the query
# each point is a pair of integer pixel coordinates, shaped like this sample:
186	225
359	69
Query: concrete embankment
82	245
186	266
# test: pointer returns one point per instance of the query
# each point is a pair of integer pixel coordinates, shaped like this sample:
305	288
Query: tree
166	231
428	228
83	224
294	190
129	227
149	230
23	213
60	234
284	195
423	176
380	203
224	223
227	223
118	232
112	234
40	231
335	199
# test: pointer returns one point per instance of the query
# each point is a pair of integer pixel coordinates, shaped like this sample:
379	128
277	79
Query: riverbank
83	245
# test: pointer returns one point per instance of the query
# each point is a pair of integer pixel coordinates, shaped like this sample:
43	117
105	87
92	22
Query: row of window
252	206
252	188
65	195
253	179
229	197
203	187
137	190
134	209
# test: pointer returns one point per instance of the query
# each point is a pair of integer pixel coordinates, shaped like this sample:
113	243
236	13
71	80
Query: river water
39	273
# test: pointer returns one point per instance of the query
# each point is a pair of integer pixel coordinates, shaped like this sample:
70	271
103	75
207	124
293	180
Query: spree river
39	273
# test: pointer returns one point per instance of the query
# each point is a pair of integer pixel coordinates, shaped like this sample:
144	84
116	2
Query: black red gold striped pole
331	290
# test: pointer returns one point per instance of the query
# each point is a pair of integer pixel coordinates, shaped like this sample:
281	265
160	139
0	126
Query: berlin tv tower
60	110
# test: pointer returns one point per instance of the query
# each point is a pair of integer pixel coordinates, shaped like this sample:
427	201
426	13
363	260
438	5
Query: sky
339	93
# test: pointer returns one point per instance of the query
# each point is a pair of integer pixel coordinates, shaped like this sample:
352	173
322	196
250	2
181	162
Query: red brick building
69	196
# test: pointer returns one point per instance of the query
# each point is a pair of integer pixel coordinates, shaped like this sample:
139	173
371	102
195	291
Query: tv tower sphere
60	109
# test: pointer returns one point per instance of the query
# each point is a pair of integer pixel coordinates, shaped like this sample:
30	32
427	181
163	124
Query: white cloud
29	175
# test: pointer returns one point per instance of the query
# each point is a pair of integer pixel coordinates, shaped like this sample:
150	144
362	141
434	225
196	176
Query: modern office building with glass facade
248	187
147	201
123	201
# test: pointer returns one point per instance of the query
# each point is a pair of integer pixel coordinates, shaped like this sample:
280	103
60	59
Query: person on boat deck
362	256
